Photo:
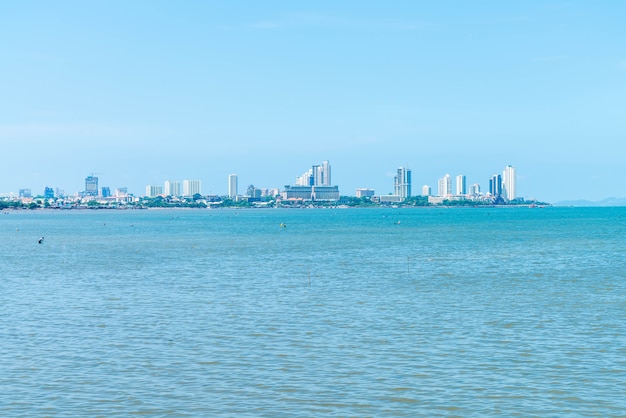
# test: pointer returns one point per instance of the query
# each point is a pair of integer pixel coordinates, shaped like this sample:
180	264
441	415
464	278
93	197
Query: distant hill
609	201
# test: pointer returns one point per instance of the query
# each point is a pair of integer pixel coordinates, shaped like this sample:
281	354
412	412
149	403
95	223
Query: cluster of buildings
185	188
252	193
92	192
315	184
501	188
92	189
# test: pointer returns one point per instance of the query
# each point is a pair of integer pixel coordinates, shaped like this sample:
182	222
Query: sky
143	91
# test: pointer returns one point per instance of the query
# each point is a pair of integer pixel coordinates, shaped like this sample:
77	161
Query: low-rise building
364	192
311	193
390	198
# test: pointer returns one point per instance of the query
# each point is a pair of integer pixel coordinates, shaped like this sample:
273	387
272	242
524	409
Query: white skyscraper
172	188
153	191
508	182
232	186
426	190
461	189
318	175
306	179
325	174
445	186
191	187
474	189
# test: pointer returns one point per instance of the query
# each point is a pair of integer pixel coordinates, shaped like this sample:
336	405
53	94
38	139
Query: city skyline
318	176
143	93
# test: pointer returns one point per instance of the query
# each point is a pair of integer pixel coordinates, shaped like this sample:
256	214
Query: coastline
290	207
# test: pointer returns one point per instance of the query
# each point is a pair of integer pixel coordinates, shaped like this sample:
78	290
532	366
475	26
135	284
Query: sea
369	312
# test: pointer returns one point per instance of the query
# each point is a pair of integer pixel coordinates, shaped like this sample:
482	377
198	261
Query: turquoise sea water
451	312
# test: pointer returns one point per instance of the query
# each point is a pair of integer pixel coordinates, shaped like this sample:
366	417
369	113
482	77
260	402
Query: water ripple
453	313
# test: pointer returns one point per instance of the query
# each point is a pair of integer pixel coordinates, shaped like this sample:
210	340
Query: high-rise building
232	186
474	189
317	175
508	182
253	192
445	186
91	186
402	183
313	184
495	185
153	191
172	188
426	190
461	189
324	174
105	191
306	179
48	193
191	187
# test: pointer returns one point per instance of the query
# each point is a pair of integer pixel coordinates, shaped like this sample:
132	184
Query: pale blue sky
144	91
